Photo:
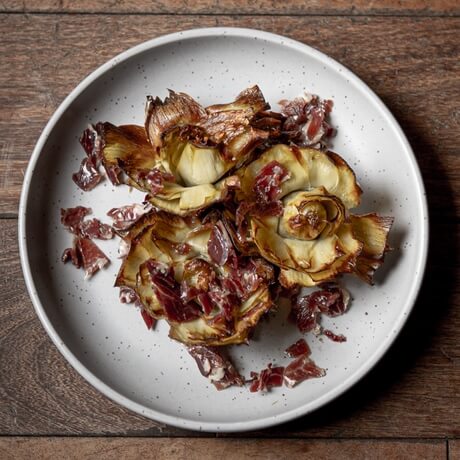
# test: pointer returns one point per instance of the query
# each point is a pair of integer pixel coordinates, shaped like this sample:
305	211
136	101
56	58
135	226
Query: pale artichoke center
306	216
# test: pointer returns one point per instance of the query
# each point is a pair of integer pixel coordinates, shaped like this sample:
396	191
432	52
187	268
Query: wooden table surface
408	52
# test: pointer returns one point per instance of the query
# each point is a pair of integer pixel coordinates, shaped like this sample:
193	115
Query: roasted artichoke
187	272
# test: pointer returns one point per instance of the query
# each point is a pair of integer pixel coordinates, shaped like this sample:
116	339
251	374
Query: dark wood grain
209	449
413	392
413	65
454	449
266	7
409	58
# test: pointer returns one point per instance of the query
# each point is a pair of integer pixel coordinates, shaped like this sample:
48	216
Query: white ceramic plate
107	342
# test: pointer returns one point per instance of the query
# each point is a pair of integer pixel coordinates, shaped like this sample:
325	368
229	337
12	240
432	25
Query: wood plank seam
409	14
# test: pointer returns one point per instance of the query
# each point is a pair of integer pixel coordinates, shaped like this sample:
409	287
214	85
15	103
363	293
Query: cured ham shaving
216	367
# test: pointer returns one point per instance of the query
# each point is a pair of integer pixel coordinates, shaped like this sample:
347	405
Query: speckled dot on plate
107	342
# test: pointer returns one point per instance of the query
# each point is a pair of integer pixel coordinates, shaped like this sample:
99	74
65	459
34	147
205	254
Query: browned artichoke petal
178	109
302	255
372	230
182	201
349	248
250	101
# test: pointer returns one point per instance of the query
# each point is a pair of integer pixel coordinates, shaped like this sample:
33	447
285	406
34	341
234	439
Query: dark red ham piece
215	366
125	217
298	348
94	228
88	176
267	183
331	301
316	121
72	255
167	291
154	180
336	302
302	368
334	337
267	378
304	313
219	244
92	258
149	321
248	275
72	218
90	140
306	122
113	173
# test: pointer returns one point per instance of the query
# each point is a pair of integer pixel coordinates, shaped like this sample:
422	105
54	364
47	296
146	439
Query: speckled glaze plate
107	342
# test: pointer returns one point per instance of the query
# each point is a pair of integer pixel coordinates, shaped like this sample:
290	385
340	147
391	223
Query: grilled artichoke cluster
238	206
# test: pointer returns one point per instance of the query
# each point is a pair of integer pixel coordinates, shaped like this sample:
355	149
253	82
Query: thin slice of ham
298	348
94	228
126	216
87	176
72	218
87	255
215	366
302	368
267	378
267	183
331	301
149	320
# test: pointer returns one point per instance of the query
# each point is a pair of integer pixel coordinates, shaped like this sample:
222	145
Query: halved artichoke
200	144
126	147
187	272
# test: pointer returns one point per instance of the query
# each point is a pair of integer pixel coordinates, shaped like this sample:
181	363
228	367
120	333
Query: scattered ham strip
217	368
267	378
267	183
334	337
84	252
302	368
331	301
149	321
155	179
126	216
88	176
306	122
298	348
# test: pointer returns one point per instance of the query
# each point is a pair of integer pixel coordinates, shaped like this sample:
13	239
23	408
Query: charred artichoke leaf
155	238
250	101
372	230
346	263
178	109
200	331
309	256
182	201
308	168
127	147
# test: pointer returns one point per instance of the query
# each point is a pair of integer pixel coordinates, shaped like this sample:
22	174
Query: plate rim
182	422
